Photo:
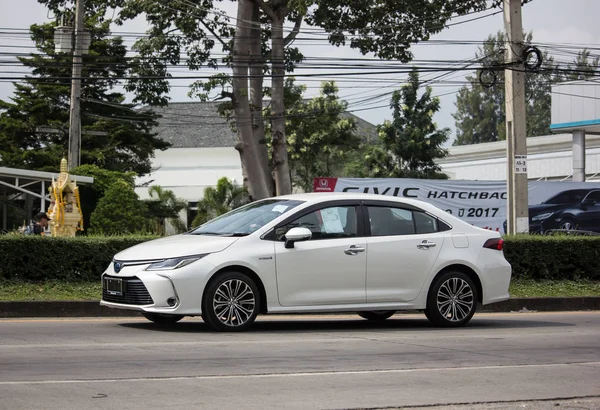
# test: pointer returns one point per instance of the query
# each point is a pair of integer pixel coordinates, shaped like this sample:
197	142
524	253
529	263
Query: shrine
65	205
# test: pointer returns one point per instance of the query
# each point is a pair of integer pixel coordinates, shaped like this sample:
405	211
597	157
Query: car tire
377	315
231	302
452	300
567	224
162	319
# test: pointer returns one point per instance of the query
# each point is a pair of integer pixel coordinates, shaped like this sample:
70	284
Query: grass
57	290
51	290
528	288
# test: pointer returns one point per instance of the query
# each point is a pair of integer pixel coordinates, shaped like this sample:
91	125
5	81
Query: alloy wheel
455	299
234	302
567	225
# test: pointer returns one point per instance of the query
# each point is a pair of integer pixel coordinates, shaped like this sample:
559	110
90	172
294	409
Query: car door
328	269
589	216
403	246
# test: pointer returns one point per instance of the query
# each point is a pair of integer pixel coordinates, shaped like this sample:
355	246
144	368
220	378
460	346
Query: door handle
354	250
426	245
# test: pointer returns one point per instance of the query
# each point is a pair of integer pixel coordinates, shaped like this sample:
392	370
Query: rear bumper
496	276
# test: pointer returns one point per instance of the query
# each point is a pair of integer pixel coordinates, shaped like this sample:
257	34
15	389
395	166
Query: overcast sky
552	21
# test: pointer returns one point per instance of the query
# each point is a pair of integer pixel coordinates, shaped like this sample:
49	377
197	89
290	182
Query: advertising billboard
552	205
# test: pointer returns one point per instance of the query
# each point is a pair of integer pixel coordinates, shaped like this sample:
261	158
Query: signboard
552	205
520	164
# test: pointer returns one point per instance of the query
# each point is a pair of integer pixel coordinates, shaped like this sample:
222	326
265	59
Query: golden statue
65	207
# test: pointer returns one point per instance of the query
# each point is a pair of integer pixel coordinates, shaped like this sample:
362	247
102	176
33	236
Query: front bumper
170	292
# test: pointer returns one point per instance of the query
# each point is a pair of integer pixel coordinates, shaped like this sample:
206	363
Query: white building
549	158
574	154
202	151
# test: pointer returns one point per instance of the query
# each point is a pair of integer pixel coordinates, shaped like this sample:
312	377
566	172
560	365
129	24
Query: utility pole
516	131
75	110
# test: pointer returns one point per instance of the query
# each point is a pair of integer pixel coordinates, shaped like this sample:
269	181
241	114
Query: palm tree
163	205
219	200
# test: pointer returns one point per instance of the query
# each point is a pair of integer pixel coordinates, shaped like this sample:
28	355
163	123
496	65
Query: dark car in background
575	209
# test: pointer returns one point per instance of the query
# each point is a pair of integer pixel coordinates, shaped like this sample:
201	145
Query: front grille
134	292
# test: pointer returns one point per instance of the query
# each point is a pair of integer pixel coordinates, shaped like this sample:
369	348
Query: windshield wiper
228	234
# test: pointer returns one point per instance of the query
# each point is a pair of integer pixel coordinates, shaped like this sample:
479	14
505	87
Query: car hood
543	208
175	246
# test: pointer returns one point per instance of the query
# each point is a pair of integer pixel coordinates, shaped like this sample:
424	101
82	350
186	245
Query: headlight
174	263
541	217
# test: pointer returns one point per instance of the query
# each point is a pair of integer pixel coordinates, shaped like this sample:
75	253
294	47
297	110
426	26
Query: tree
119	212
188	31
219	200
319	138
410	143
582	68
480	110
91	194
42	101
164	205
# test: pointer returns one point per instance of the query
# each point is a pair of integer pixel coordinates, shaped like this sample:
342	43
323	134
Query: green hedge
554	257
34	258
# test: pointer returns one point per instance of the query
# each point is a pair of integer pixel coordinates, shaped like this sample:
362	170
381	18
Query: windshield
247	219
567	197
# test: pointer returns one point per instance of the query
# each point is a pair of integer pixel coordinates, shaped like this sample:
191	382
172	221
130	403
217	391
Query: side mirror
296	235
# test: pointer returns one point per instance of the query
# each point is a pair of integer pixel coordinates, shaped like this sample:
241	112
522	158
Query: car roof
316	197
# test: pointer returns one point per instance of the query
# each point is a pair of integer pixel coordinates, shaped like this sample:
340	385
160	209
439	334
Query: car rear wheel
377	315
452	300
231	302
162	319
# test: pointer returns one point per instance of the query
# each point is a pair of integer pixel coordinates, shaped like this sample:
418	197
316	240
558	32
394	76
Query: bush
91	194
38	258
554	257
119	212
35	258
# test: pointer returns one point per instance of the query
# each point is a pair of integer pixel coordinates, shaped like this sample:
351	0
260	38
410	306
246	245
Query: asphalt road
304	362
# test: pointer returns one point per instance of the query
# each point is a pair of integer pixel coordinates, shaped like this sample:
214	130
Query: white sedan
315	252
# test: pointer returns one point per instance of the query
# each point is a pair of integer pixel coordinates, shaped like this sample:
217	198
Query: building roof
194	125
199	125
25	175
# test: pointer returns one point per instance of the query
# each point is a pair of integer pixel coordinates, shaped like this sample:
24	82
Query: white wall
554	165
549	157
187	171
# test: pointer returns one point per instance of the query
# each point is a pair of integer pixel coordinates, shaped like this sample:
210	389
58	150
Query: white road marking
299	374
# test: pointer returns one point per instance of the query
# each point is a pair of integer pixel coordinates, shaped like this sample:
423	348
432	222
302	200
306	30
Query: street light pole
516	132
75	110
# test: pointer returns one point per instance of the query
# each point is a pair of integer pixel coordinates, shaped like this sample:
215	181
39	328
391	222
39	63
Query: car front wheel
452	300
377	315
162	319
567	224
231	302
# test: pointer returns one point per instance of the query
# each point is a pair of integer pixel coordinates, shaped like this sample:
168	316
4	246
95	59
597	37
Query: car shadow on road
396	323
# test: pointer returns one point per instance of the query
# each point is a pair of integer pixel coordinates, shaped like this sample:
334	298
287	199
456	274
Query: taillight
496	244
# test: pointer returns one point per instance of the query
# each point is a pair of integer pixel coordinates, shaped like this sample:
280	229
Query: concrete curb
92	308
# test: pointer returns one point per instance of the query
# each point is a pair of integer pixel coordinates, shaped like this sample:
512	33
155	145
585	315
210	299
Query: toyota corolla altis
316	252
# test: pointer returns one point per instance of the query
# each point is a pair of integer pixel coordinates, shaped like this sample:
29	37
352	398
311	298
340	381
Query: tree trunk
281	166
247	147
256	97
